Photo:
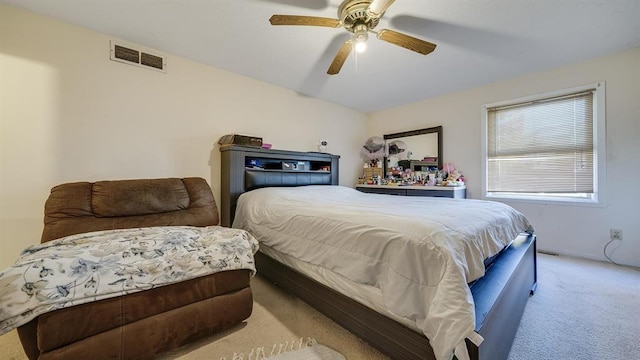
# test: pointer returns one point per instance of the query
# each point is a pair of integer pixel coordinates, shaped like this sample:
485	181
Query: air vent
152	60
135	55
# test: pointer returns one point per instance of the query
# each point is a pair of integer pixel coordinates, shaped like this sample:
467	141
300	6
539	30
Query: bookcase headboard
246	168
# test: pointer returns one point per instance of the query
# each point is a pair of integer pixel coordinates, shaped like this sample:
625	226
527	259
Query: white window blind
542	147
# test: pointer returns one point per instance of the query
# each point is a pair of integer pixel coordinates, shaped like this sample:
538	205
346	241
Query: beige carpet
277	317
582	310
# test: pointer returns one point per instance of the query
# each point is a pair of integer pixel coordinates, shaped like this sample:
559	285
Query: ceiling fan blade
304	20
340	58
378	7
406	41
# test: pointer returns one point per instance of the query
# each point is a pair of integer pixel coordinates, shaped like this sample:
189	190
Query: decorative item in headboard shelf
246	168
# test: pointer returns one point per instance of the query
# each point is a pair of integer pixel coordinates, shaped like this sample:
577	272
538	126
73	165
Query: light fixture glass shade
360	36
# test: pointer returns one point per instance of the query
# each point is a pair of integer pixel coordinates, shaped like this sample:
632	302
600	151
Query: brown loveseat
142	324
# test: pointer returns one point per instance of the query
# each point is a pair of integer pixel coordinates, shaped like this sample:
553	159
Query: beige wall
68	113
574	230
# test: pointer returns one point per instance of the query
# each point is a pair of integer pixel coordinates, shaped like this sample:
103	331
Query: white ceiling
479	41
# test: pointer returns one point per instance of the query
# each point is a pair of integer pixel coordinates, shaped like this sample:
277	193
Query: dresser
455	192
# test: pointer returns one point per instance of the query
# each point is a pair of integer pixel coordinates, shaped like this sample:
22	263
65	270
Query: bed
144	320
300	245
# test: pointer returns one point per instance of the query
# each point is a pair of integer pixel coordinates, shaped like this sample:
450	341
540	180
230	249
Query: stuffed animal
453	176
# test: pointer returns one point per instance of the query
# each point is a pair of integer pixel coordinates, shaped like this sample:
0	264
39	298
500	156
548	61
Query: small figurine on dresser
452	176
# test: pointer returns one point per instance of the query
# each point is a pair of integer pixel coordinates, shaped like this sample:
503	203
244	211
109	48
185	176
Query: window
548	147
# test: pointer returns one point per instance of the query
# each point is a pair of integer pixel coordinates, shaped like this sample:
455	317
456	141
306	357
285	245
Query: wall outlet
616	234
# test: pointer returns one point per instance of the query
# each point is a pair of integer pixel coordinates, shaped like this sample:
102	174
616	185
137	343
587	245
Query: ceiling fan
359	17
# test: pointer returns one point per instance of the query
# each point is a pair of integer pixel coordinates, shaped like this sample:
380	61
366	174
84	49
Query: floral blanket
93	266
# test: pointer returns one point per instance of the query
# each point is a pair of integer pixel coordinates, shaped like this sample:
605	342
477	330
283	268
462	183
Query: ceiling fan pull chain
356	60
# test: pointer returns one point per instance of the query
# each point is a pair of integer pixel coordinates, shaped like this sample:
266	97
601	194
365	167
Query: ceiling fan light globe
361	37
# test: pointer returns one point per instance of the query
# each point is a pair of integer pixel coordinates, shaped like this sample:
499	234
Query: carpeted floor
582	310
277	317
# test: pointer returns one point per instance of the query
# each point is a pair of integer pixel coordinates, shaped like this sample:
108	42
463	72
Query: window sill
546	201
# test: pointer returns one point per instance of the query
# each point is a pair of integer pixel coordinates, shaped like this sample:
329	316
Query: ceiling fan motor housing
353	13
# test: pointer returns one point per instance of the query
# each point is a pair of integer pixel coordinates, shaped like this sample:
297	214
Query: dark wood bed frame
500	296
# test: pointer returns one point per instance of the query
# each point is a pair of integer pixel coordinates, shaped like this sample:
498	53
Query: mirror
421	144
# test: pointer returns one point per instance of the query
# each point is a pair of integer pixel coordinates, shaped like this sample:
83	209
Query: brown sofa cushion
145	338
93	318
138	197
81	207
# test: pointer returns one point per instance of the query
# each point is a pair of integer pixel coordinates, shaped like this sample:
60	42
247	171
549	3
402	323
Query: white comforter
421	252
93	266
